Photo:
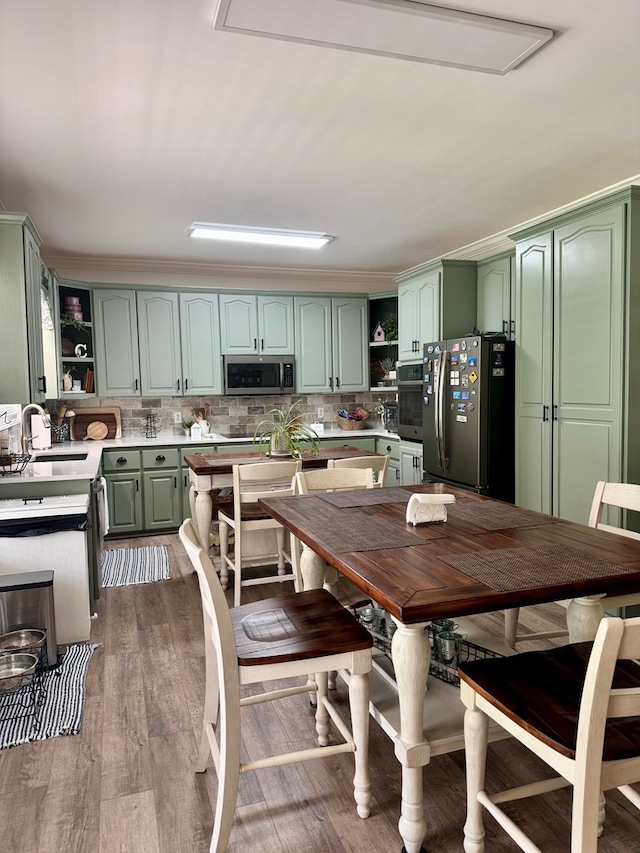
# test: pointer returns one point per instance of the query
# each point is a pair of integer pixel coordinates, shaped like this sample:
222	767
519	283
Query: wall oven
259	374
410	402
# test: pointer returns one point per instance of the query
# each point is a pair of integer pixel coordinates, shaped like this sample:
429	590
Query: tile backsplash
235	417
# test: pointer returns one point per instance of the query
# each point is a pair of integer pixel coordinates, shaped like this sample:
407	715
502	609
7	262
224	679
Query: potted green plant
285	434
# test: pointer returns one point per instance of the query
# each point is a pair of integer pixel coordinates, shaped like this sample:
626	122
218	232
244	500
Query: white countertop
88	468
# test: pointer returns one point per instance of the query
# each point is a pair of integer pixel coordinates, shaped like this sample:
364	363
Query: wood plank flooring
126	784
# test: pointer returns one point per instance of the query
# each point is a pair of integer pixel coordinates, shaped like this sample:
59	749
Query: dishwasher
52	533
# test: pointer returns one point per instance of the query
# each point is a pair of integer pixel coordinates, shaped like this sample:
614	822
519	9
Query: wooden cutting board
88	415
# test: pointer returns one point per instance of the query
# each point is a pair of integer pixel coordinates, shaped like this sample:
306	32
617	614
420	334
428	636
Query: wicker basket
349	423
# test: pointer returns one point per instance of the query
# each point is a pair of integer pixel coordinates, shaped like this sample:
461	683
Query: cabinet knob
121	460
160	458
388	448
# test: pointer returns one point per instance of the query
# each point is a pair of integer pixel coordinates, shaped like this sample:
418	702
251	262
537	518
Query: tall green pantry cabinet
577	375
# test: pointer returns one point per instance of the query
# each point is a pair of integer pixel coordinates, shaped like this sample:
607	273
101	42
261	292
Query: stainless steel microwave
259	374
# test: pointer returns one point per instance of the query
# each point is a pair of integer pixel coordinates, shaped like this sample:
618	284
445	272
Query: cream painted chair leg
359	703
280	539
228	777
223	532
237	571
322	715
476	737
511	626
294	545
586	815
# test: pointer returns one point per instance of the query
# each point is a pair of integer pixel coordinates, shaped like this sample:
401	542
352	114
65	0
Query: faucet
26	432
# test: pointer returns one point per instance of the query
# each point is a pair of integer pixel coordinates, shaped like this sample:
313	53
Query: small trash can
26	601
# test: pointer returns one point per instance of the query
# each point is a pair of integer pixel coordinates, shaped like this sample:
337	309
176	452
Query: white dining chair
271	640
623	496
576	707
245	518
378	464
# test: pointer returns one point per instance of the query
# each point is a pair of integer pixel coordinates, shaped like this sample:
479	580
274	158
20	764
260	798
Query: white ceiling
123	122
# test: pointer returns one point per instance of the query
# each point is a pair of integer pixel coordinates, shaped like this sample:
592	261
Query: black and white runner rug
125	566
61	702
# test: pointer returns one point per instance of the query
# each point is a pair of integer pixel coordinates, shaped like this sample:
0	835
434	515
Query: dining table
210	472
487	556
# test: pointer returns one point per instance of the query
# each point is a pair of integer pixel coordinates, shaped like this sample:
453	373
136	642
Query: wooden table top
487	556
222	463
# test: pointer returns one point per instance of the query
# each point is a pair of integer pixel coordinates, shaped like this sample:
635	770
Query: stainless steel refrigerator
468	414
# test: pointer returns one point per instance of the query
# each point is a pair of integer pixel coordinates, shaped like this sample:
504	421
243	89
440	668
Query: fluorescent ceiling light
403	29
268	236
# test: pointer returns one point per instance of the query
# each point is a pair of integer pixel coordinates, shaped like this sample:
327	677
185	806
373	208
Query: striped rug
63	690
125	566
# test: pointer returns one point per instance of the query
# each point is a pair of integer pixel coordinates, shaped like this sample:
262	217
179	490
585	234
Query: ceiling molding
124	265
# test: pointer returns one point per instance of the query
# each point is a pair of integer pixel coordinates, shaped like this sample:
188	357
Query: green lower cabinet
162	503
390	447
124	495
410	463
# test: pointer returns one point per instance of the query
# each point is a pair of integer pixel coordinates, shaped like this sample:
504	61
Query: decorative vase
67	382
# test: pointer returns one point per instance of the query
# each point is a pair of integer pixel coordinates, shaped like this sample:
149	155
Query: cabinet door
159	343
408	322
275	325
428	302
494	296
588	363
200	338
410	463
32	281
238	324
313	344
161	499
350	344
418	315
125	502
534	356
116	340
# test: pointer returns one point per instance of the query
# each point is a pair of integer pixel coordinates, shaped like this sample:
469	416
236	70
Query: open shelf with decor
383	342
77	370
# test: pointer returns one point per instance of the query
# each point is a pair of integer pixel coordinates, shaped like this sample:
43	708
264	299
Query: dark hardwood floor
126	784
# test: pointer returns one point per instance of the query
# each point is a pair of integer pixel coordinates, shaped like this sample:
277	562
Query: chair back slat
378	465
333	479
254	481
619	495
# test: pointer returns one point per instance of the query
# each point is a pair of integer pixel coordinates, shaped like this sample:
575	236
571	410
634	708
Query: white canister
40	434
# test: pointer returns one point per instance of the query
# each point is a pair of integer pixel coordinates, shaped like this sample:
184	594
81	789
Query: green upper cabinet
159	343
332	344
256	324
496	285
23	379
434	302
576	297
116	342
200	343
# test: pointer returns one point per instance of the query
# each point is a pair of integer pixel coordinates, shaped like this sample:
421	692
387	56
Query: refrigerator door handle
440	389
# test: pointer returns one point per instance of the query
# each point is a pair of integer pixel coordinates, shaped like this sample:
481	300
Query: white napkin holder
422	509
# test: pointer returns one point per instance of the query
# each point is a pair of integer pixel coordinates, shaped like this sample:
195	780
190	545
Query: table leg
583	618
203	516
313	568
411	655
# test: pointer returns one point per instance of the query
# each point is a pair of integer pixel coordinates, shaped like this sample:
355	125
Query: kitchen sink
59	457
